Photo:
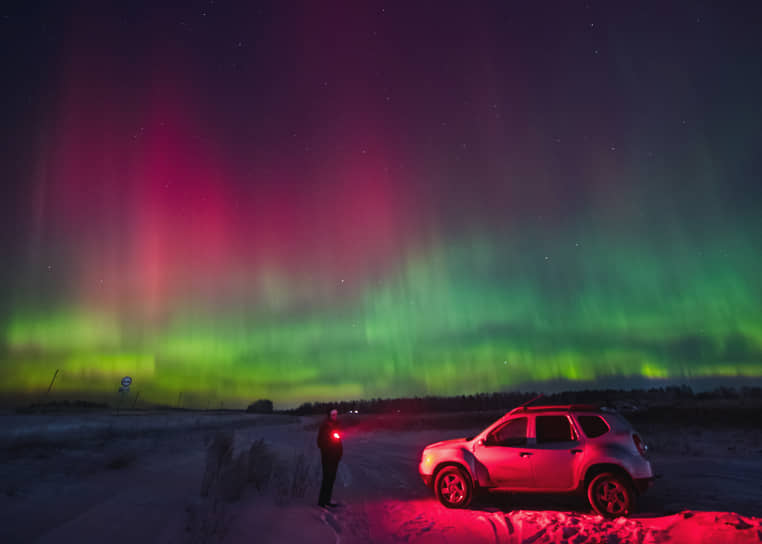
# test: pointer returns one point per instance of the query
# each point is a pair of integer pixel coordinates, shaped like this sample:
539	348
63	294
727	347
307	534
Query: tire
611	495
453	487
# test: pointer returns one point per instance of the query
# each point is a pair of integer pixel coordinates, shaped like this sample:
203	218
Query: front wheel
611	495
453	487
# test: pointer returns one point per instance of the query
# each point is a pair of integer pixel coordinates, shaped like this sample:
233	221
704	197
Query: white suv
545	449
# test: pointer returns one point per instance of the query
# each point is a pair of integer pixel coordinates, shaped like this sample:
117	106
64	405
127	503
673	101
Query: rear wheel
611	495
453	487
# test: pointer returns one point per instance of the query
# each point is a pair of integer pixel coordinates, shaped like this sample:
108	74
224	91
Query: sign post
126	382
124	390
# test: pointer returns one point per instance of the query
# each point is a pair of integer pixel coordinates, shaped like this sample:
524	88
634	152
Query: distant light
336	436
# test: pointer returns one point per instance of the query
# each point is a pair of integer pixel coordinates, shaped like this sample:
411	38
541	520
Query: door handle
525	454
576	450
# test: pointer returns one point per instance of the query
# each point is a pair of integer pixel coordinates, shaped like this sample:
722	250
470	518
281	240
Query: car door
556	451
503	454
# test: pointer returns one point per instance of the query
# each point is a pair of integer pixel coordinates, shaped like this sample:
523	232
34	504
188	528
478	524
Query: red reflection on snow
407	520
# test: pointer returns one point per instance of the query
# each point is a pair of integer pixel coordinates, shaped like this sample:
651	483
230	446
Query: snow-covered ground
709	492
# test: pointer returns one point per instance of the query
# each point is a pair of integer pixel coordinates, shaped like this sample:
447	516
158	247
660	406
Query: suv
545	449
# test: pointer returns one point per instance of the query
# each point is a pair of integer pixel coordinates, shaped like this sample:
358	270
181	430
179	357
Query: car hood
446	443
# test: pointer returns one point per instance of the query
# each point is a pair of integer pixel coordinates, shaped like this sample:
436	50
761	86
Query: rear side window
593	426
553	429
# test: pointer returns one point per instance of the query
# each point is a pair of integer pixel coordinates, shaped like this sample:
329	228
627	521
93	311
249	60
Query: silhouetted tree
261	406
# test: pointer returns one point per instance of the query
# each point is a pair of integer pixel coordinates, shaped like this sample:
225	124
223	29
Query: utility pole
52	382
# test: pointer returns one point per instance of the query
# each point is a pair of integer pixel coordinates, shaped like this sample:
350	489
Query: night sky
339	200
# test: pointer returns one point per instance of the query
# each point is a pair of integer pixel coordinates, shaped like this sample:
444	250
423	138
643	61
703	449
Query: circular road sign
126	381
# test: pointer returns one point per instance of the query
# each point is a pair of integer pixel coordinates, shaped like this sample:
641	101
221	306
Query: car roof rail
524	406
561	407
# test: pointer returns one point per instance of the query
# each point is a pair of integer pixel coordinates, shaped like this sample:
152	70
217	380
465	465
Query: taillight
642	448
336	436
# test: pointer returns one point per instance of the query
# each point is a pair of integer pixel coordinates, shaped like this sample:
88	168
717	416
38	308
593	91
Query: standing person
329	442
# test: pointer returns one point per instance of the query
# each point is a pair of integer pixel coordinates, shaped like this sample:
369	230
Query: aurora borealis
310	201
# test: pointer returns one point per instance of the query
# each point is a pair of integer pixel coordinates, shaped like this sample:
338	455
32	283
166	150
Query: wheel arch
599	468
457	464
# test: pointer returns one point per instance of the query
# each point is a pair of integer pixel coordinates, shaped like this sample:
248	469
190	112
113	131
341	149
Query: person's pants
330	466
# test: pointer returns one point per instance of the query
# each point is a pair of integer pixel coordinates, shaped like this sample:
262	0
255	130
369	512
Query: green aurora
479	316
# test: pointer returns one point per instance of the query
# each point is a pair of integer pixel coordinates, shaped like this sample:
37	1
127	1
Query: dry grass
223	481
226	476
219	455
260	465
292	479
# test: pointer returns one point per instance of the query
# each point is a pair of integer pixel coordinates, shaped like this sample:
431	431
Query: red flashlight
336	436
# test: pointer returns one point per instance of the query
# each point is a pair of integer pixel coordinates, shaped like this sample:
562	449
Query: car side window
553	429
512	434
593	426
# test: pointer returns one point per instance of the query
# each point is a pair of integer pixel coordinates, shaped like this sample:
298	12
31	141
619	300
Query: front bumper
426	479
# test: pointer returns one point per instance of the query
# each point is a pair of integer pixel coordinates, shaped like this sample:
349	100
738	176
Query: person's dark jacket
330	446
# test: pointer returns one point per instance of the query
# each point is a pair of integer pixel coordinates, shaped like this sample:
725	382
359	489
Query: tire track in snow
501	526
